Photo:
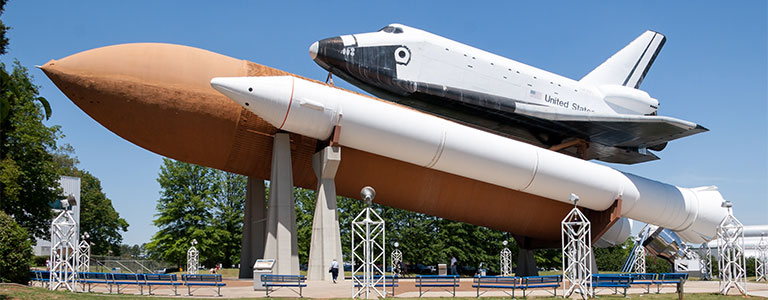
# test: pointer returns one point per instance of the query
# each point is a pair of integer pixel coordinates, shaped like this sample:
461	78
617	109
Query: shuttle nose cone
313	50
328	53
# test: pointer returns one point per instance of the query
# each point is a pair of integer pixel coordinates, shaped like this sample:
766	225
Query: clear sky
712	69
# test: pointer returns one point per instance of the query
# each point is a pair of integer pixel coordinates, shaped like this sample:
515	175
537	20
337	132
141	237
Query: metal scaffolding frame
63	250
761	260
368	250
638	265
84	254
705	262
730	245
577	251
505	260
396	258
193	262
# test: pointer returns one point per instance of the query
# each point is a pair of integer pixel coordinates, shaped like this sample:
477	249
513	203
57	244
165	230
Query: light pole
192	258
368	250
505	260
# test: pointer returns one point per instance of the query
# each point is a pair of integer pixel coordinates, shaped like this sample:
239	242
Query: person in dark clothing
334	270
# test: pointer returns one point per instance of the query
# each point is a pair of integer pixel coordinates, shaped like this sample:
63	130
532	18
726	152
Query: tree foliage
28	175
97	215
15	251
228	211
3	30
612	258
202	204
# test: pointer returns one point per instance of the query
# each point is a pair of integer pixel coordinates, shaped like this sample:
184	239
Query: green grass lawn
21	292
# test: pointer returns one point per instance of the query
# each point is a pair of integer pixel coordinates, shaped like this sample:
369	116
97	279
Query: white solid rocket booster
312	109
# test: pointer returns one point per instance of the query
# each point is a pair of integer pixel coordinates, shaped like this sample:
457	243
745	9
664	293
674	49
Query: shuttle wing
616	130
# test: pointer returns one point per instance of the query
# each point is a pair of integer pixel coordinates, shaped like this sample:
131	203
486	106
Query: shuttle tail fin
628	66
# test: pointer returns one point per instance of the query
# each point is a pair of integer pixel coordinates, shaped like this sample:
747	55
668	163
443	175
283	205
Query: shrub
39	260
15	251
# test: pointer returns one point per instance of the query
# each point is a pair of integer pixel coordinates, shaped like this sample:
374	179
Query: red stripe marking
289	103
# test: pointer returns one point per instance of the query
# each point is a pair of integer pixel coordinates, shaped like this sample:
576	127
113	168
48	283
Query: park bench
447	283
678	279
275	282
156	280
390	281
614	281
537	282
503	283
94	279
121	280
43	277
646	279
212	281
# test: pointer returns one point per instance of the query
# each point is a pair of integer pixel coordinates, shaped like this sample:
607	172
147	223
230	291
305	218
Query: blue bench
390	281
503	283
546	281
445	282
43	277
121	280
677	279
94	279
646	279
276	282
212	281
155	280
614	281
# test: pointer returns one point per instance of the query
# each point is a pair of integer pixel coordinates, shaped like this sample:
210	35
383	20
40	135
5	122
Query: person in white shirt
334	270
453	266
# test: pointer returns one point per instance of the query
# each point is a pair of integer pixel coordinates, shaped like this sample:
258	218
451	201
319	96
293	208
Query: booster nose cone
267	97
313	50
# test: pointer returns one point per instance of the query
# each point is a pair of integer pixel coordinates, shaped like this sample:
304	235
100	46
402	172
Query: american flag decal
535	94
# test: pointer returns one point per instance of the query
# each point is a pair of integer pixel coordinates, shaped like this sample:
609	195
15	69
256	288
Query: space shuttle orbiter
603	116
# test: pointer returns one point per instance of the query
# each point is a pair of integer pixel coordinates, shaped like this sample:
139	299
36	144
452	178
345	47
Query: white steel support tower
505	260
84	254
705	262
64	249
368	251
638	265
761	260
732	262
396	259
577	252
193	256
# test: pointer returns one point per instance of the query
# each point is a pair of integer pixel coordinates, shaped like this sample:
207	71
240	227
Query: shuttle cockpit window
391	29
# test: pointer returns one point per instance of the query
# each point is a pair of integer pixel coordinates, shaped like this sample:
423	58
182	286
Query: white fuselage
437	60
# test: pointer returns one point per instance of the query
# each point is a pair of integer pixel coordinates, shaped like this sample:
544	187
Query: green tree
185	212
305	211
229	209
97	215
3	30
15	251
28	174
613	258
8	88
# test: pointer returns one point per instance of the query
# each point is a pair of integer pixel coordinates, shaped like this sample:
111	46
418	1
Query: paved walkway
320	289
407	289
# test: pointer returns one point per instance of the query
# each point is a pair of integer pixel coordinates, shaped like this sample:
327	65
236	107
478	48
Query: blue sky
712	69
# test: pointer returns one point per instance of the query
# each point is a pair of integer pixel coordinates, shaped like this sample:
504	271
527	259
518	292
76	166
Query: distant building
69	185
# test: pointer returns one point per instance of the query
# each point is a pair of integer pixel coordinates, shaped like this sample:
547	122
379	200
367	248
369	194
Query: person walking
334	270
453	266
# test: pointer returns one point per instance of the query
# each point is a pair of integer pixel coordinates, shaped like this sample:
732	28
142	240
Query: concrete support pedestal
281	241
326	237
526	263
254	226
